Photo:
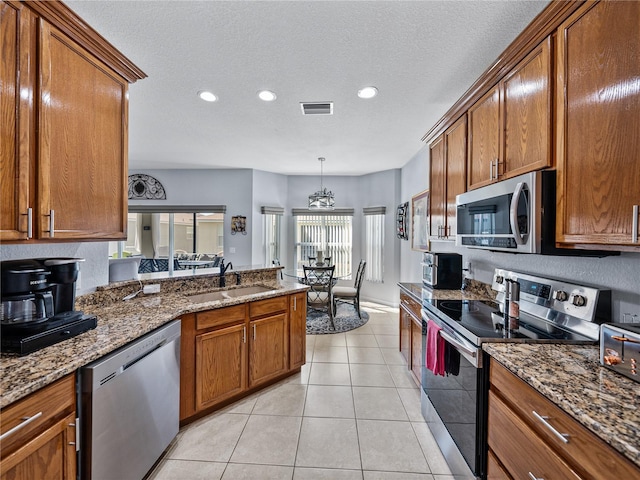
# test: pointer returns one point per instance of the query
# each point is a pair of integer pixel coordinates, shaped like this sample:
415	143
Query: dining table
299	275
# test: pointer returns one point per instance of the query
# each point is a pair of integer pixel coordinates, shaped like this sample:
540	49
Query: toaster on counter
620	348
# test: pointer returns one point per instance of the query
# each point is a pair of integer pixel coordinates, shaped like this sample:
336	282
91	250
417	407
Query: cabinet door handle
25	421
29	215
634	225
498	162
244	334
491	170
295	304
533	477
76	425
52	223
564	437
254	331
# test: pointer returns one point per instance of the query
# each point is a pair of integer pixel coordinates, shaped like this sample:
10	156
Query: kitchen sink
228	294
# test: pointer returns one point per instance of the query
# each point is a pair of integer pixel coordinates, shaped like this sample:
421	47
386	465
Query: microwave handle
513	214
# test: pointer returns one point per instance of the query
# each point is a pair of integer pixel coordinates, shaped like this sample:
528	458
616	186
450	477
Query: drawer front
410	304
494	469
268	306
519	449
37	412
220	316
591	456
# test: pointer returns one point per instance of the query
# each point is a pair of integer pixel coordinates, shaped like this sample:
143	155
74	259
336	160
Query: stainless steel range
454	403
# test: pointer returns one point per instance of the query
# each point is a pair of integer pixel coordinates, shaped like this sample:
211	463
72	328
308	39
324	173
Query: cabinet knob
29	215
560	295
634	225
579	300
25	421
52	223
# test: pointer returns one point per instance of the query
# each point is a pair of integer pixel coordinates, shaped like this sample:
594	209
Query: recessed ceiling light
207	96
267	95
367	92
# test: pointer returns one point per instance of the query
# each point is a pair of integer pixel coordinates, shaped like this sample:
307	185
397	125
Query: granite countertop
571	377
120	322
474	290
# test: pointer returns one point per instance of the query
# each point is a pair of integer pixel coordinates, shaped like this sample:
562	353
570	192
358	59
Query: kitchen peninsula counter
571	377
121	322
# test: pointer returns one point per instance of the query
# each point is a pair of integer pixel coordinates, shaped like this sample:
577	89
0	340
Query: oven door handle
458	345
513	213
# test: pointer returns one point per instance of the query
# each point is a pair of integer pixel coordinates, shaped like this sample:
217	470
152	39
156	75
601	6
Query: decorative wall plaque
401	221
145	187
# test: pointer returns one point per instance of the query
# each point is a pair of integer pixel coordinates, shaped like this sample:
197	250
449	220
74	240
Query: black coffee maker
38	298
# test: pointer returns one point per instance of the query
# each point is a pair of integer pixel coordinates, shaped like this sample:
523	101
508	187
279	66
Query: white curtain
374	248
271	240
155	235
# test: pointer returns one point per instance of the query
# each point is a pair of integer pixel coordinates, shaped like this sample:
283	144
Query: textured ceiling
421	55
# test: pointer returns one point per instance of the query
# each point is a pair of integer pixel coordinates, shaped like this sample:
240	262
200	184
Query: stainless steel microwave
516	215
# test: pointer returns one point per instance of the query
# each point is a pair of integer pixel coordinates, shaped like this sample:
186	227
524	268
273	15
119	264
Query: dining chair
350	295
319	295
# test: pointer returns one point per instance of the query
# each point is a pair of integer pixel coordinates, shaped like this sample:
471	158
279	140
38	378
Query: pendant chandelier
322	199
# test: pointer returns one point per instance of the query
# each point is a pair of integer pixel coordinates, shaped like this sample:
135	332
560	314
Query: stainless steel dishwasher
129	406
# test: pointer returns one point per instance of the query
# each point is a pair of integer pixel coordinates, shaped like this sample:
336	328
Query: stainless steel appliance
516	215
38	298
455	405
442	270
620	348
129	406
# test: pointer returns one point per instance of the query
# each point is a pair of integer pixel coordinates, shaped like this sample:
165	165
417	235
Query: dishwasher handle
144	355
102	371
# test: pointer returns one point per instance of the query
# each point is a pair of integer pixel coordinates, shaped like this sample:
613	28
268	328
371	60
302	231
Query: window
272	219
374	243
196	235
329	232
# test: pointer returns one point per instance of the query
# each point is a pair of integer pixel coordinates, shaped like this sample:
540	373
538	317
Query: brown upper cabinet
510	126
64	129
598	126
447	177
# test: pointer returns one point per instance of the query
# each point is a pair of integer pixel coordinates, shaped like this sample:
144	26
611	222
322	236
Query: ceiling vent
317	108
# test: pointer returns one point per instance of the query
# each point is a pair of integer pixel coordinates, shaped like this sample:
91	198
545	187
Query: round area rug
346	319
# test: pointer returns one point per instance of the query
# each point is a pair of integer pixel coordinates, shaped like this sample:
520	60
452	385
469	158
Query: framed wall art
401	221
420	221
238	224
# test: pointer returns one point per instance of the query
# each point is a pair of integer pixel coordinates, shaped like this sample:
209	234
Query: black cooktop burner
481	321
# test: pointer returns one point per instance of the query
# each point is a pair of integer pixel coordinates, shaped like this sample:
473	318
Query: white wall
415	179
232	187
94	270
269	190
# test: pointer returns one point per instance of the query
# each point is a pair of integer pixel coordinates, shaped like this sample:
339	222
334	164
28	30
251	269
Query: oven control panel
550	298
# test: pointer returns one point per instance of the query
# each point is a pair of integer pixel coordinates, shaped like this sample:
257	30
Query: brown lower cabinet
229	352
44	447
411	334
522	446
297	329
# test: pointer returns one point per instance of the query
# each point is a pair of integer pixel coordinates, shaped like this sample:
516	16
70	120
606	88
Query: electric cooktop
481	321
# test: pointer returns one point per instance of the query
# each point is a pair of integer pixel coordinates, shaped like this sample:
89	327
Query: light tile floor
353	412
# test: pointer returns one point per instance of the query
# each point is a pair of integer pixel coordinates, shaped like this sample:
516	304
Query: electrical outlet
232	250
153	288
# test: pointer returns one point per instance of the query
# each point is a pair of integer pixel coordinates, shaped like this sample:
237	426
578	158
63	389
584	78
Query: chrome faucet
223	270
